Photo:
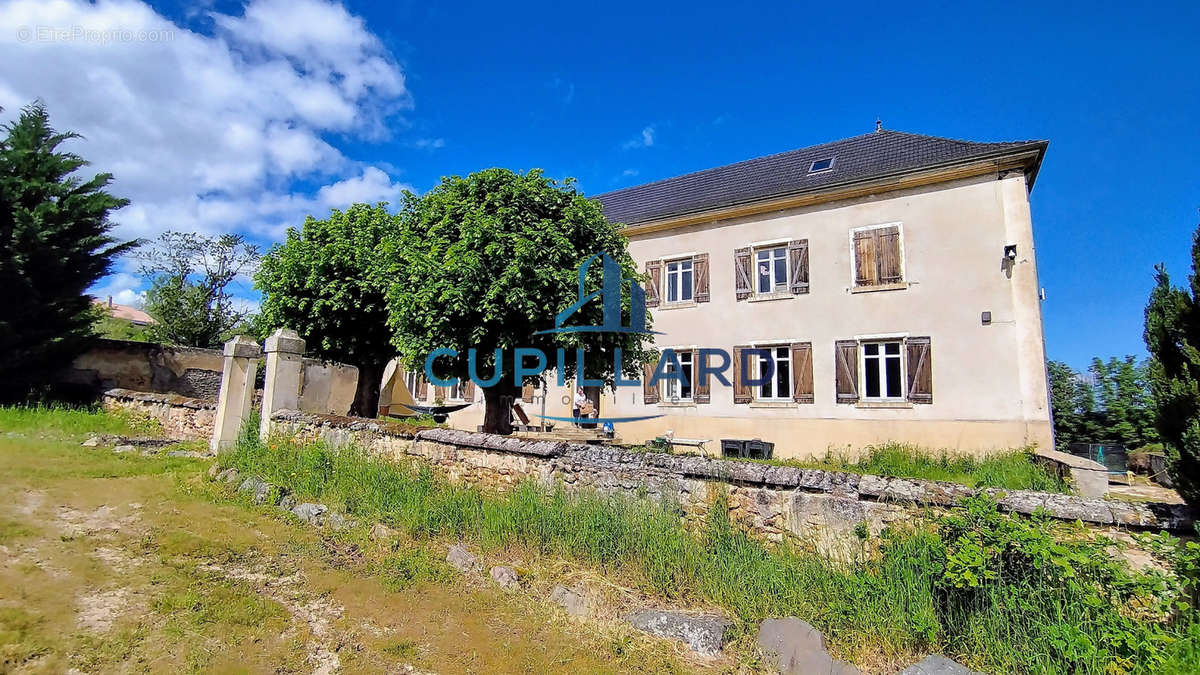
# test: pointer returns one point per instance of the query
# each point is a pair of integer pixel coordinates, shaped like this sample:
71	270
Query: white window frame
832	163
758	366
900	356
854	263
787	271
676	283
689	371
412	379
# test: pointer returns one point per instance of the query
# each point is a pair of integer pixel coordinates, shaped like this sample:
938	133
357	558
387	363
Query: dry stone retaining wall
774	502
180	416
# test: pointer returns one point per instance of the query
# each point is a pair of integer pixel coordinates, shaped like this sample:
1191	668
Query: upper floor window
679	280
878	256
779	387
673	389
771	270
883	371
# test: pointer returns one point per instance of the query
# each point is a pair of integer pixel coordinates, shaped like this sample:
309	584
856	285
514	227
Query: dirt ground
123	563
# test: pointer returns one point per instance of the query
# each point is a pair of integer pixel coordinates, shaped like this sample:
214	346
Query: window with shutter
653	283
700	268
802	372
846	370
468	390
742	281
741	390
527	392
878	258
422	388
798	262
920	369
649	391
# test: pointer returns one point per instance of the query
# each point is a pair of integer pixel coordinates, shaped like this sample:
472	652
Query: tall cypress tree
54	244
1173	338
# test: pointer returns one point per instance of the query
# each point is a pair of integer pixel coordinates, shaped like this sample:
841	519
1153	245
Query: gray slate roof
873	155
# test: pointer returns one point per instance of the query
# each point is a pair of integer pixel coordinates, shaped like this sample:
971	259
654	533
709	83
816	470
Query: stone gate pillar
237	391
281	386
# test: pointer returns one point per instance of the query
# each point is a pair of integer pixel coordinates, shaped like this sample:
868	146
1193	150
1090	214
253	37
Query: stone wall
774	502
326	387
180	416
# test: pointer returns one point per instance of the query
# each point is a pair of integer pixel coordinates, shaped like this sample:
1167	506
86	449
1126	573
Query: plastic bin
758	449
731	447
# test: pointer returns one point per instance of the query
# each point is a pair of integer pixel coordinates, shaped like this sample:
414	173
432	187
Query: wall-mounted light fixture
985	318
1010	252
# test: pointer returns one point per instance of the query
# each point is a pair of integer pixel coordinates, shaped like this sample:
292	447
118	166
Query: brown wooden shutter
440	392
846	366
743	285
422	388
653	282
741	390
798	262
802	372
887	250
649	391
700	277
468	390
920	370
527	392
700	389
866	271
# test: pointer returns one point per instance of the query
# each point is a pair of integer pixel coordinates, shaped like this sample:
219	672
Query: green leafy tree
1173	338
189	294
1123	390
54	244
1069	419
318	283
485	262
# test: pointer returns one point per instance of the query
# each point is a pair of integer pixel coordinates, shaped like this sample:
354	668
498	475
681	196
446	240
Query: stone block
703	633
505	577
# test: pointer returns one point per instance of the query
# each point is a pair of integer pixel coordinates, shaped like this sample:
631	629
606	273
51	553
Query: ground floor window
412	380
882	369
673	389
779	387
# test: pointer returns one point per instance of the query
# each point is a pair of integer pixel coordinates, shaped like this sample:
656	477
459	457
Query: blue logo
611	287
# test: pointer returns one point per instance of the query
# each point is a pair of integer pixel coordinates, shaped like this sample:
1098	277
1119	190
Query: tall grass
1013	470
921	590
72	420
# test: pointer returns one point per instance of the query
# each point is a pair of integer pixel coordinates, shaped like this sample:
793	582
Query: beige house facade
892	277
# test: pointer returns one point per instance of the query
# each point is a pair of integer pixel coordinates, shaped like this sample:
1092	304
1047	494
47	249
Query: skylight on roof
821	165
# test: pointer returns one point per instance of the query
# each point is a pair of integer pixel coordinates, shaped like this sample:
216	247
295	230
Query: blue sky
636	92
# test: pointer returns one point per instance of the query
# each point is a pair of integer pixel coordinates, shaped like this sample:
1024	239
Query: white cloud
372	186
122	288
644	140
429	143
209	133
630	173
